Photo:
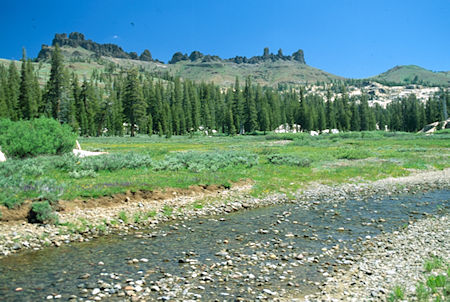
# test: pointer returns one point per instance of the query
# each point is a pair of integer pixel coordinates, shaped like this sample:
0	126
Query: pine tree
133	103
149	124
231	129
187	108
4	112
355	121
27	100
330	114
88	110
12	92
251	116
55	84
264	119
195	107
237	107
364	113
321	119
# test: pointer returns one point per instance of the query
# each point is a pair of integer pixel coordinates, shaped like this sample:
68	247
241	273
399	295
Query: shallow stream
252	254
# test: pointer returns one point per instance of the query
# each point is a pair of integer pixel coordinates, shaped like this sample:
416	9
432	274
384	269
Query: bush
206	161
20	180
83	173
353	154
109	162
289	160
41	212
36	137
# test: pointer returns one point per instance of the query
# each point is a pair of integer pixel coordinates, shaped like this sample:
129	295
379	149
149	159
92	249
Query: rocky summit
76	39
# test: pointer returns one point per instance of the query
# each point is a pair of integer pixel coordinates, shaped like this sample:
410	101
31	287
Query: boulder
2	157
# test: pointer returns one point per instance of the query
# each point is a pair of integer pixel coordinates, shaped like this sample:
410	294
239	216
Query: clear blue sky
347	38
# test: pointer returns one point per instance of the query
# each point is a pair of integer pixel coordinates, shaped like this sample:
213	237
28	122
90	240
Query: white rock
2	157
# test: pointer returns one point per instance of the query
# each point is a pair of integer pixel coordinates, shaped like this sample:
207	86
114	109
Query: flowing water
250	254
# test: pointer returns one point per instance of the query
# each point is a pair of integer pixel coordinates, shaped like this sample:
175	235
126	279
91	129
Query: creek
251	254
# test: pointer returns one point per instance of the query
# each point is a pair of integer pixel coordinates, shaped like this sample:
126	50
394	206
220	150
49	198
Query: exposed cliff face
297	56
76	39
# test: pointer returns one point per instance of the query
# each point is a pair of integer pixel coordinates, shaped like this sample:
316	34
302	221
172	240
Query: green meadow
272	163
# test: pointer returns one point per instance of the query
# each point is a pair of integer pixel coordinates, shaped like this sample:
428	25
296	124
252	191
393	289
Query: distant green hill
412	74
265	73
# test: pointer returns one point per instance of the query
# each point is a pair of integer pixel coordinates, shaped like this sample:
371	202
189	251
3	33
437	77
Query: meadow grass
274	163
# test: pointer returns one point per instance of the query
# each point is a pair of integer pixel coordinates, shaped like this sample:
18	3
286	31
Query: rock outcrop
76	39
297	56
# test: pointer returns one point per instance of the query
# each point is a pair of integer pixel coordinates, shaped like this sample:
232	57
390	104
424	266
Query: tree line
138	102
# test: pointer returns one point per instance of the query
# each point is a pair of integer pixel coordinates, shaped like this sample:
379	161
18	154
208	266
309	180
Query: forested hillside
162	104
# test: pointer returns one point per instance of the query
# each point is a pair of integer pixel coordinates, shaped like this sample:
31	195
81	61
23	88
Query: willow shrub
36	137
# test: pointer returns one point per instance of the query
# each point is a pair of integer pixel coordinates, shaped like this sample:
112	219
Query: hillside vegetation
412	74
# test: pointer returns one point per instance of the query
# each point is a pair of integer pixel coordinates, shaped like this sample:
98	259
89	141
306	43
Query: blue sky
348	38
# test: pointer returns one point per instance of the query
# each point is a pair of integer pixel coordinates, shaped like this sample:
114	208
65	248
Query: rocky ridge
76	39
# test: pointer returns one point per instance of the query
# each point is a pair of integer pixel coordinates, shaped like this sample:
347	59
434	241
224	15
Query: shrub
289	160
123	216
18	181
109	162
206	161
41	212
353	154
36	137
5	124
83	173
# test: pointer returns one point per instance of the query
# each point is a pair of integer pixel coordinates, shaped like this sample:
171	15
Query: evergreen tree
230	128
187	108
55	84
250	124
237	107
27	100
13	91
330	114
264	119
364	113
355	122
149	124
133	103
321	119
4	112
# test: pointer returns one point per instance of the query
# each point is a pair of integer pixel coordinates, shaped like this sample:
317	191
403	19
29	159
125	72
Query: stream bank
268	253
84	224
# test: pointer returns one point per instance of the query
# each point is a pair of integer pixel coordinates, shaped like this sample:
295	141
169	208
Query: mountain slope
86	56
412	74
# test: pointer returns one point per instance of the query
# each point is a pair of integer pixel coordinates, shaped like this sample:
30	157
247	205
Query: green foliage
150	214
37	137
422	292
167	210
41	212
210	161
352	154
123	216
104	162
435	282
289	160
83	174
21	179
220	160
397	294
433	263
